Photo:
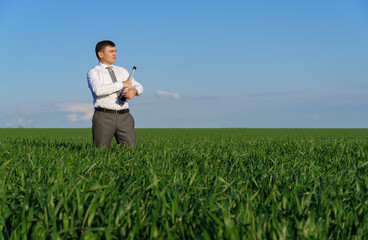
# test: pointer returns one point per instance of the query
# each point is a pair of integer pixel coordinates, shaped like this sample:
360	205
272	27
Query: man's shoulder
98	68
95	68
118	67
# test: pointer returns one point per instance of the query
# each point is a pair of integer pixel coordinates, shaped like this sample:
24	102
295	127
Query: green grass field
185	183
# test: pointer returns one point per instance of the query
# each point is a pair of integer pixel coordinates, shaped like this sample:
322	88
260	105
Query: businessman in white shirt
106	82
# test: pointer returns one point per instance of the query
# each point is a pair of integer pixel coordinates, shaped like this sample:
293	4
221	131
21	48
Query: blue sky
216	64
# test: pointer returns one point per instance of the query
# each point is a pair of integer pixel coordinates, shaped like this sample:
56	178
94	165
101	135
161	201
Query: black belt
98	109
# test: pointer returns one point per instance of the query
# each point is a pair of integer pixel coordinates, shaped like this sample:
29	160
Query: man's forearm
106	89
138	87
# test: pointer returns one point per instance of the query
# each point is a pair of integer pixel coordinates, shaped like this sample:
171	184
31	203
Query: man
106	81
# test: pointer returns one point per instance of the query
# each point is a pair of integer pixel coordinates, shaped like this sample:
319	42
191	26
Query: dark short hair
100	46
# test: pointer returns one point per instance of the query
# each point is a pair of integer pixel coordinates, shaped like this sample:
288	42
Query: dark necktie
113	77
112	74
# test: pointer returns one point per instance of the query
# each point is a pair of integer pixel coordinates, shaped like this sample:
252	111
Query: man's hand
130	93
127	84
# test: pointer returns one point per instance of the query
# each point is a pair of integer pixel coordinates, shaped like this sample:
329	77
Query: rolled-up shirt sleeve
98	88
137	86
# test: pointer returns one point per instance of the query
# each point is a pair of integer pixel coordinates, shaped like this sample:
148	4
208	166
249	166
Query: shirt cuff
120	86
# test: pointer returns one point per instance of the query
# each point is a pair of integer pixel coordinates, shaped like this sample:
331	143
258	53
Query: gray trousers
106	125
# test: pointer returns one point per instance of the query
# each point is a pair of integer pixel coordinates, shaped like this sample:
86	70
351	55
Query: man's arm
136	90
99	89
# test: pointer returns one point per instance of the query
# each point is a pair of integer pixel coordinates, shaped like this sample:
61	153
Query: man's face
108	55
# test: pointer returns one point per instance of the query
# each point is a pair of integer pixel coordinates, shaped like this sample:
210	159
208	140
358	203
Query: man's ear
100	54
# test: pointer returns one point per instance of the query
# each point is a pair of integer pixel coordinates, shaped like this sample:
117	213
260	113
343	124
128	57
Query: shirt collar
103	66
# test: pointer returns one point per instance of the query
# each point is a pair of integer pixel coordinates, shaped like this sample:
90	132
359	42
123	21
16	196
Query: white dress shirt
104	89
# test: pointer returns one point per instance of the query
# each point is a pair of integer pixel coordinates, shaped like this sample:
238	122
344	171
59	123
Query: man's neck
105	63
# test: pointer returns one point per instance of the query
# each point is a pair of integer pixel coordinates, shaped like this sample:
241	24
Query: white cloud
22	116
17	122
79	111
315	117
168	94
72	117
